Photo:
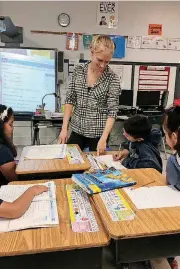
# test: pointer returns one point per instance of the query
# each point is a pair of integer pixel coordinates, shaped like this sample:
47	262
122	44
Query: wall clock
64	19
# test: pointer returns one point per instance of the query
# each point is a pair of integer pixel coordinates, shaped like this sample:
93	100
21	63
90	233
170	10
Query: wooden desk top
147	222
56	238
49	166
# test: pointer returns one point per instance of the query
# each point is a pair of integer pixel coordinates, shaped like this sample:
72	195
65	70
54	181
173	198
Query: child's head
6	122
137	128
171	127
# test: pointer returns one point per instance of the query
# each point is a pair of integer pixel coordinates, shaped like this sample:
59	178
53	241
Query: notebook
46	152
41	213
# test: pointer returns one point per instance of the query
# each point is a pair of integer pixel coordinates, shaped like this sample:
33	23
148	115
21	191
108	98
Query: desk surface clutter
56	238
35	166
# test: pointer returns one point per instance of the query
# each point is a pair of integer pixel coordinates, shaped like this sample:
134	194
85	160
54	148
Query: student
19	207
141	150
171	128
7	149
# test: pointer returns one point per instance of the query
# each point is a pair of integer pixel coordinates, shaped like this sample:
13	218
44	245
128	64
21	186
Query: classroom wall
134	18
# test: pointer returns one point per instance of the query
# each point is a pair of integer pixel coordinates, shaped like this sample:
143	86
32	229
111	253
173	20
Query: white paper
9	193
134	42
41	213
108	161
73	155
154	197
107	14
148	42
174	43
46	152
161	42
124	73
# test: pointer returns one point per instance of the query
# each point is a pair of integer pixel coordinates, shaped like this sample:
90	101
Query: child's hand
38	189
121	155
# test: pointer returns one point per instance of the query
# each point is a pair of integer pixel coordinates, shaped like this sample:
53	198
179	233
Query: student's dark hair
171	124
138	126
3	138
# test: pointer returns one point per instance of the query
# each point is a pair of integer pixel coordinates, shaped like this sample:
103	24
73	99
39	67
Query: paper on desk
154	197
39	214
108	161
46	152
10	193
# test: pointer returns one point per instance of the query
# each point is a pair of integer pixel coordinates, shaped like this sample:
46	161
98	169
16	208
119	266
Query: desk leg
36	138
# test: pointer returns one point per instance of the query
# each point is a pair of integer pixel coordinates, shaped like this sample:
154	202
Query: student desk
154	233
56	168
56	247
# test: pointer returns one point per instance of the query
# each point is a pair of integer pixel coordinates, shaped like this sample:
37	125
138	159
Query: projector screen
26	75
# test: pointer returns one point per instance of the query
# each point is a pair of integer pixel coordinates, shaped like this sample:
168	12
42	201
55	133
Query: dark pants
83	141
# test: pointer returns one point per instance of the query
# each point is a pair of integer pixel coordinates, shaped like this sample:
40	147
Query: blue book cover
103	180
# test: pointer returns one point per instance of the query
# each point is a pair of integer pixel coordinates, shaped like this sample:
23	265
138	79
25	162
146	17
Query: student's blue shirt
145	154
6	156
173	171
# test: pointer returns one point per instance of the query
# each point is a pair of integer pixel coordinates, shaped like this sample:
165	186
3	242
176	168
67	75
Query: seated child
171	127
7	149
19	207
141	150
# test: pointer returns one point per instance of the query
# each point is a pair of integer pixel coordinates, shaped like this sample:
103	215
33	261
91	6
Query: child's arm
17	208
120	155
8	171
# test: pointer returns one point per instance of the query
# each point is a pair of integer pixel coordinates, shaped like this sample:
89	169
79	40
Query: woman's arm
20	206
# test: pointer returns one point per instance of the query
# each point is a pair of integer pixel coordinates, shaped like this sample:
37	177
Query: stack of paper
109	162
154	197
41	213
46	152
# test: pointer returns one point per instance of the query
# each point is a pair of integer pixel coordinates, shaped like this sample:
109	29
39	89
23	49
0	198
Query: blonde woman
92	100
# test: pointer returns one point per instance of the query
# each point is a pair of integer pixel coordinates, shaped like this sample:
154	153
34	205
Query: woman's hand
63	136
101	146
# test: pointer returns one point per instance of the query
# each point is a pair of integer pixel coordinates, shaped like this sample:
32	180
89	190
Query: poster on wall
161	43
155	29
72	41
174	43
87	41
155	78
119	43
148	42
134	42
107	14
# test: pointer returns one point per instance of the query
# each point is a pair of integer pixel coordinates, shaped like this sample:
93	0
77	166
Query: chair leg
164	147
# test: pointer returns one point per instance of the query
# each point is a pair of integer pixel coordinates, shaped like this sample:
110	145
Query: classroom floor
106	263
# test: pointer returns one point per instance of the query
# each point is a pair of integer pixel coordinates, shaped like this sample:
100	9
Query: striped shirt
92	106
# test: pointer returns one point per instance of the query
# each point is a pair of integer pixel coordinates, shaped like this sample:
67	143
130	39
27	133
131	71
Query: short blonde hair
102	40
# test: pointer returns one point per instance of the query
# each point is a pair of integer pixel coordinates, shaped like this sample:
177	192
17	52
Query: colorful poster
155	29
155	78
119	42
87	41
107	14
117	206
174	43
72	41
81	213
134	42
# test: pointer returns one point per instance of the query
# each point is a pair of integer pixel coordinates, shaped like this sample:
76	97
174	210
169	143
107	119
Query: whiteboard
124	72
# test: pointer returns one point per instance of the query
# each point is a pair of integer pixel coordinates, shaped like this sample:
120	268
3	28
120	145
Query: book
41	213
103	180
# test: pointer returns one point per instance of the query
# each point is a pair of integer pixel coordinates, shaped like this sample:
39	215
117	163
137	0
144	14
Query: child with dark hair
7	148
171	127
7	169
141	150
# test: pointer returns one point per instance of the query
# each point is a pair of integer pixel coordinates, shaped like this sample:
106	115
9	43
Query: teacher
92	100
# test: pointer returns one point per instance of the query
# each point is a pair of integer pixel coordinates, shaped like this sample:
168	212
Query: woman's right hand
120	155
63	136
